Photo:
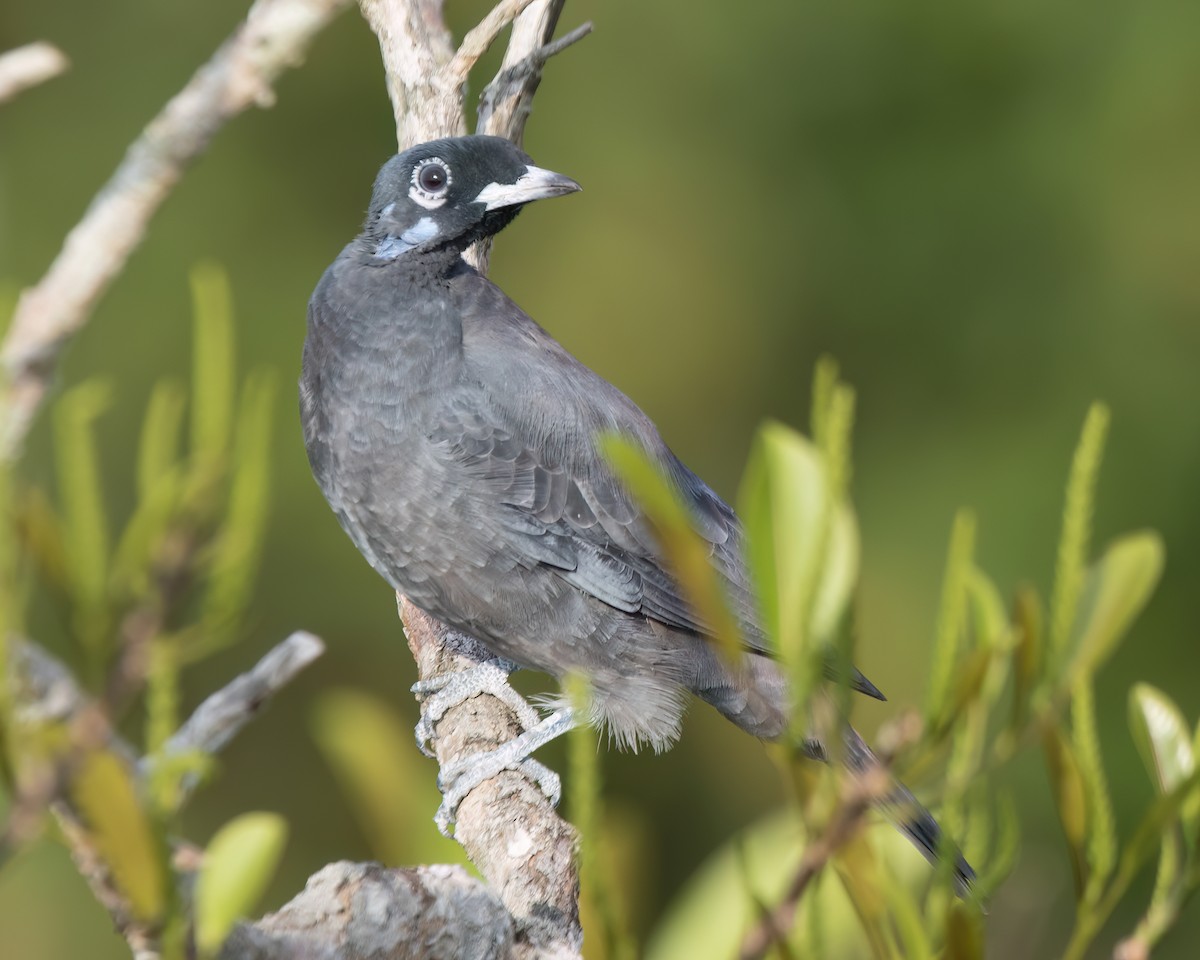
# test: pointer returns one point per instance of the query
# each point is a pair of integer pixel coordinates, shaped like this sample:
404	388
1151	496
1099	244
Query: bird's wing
525	432
572	514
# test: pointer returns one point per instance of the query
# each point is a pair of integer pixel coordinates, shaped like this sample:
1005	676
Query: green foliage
999	681
950	623
238	864
1076	534
173	585
84	524
802	550
131	843
686	553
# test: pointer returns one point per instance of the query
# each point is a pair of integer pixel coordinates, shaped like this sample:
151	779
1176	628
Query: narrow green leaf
104	792
1070	800
964	932
142	539
858	869
85	524
213	364
238	864
1005	845
914	941
1027	654
1117	587
1102	830
158	451
238	549
825	382
782	498
951	617
687	555
1076	532
41	534
1146	837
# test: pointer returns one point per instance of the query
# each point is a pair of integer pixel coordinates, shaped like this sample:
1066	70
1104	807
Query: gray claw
459	779
442	693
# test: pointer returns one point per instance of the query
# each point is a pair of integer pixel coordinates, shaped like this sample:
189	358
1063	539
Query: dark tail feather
756	699
912	819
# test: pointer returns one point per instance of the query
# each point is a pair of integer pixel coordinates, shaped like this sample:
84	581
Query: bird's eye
432	177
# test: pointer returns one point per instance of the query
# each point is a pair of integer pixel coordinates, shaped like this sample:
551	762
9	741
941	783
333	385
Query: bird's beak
534	184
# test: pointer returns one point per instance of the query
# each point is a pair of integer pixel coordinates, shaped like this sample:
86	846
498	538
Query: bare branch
527	854
416	46
28	66
480	38
222	716
506	102
352	910
274	36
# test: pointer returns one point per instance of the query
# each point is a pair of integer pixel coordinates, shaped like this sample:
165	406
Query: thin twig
274	36
28	66
862	791
480	38
223	715
506	102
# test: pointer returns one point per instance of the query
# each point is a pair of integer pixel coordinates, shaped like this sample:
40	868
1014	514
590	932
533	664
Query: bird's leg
441	693
459	779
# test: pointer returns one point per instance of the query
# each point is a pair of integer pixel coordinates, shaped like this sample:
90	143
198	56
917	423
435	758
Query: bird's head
450	193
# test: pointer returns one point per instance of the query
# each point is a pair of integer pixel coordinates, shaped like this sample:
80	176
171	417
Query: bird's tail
902	808
756	699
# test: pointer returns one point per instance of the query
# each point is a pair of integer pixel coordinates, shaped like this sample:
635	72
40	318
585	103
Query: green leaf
238	864
1027	653
951	617
687	555
1102	830
711	913
1165	743
906	916
1004	848
1076	532
964	932
158	451
85	525
1162	736
213	364
41	534
238	549
783	496
1070	800
104	792
1117	587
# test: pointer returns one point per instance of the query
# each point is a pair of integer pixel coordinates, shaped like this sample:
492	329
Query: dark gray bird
456	441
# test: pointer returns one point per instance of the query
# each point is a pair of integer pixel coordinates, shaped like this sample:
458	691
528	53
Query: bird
459	446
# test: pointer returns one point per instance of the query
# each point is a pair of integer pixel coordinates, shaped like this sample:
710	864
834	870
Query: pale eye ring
431	178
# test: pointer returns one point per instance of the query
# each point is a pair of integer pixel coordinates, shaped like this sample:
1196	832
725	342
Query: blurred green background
988	212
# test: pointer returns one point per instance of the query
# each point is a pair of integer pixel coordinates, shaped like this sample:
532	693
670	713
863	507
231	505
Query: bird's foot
441	693
457	780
